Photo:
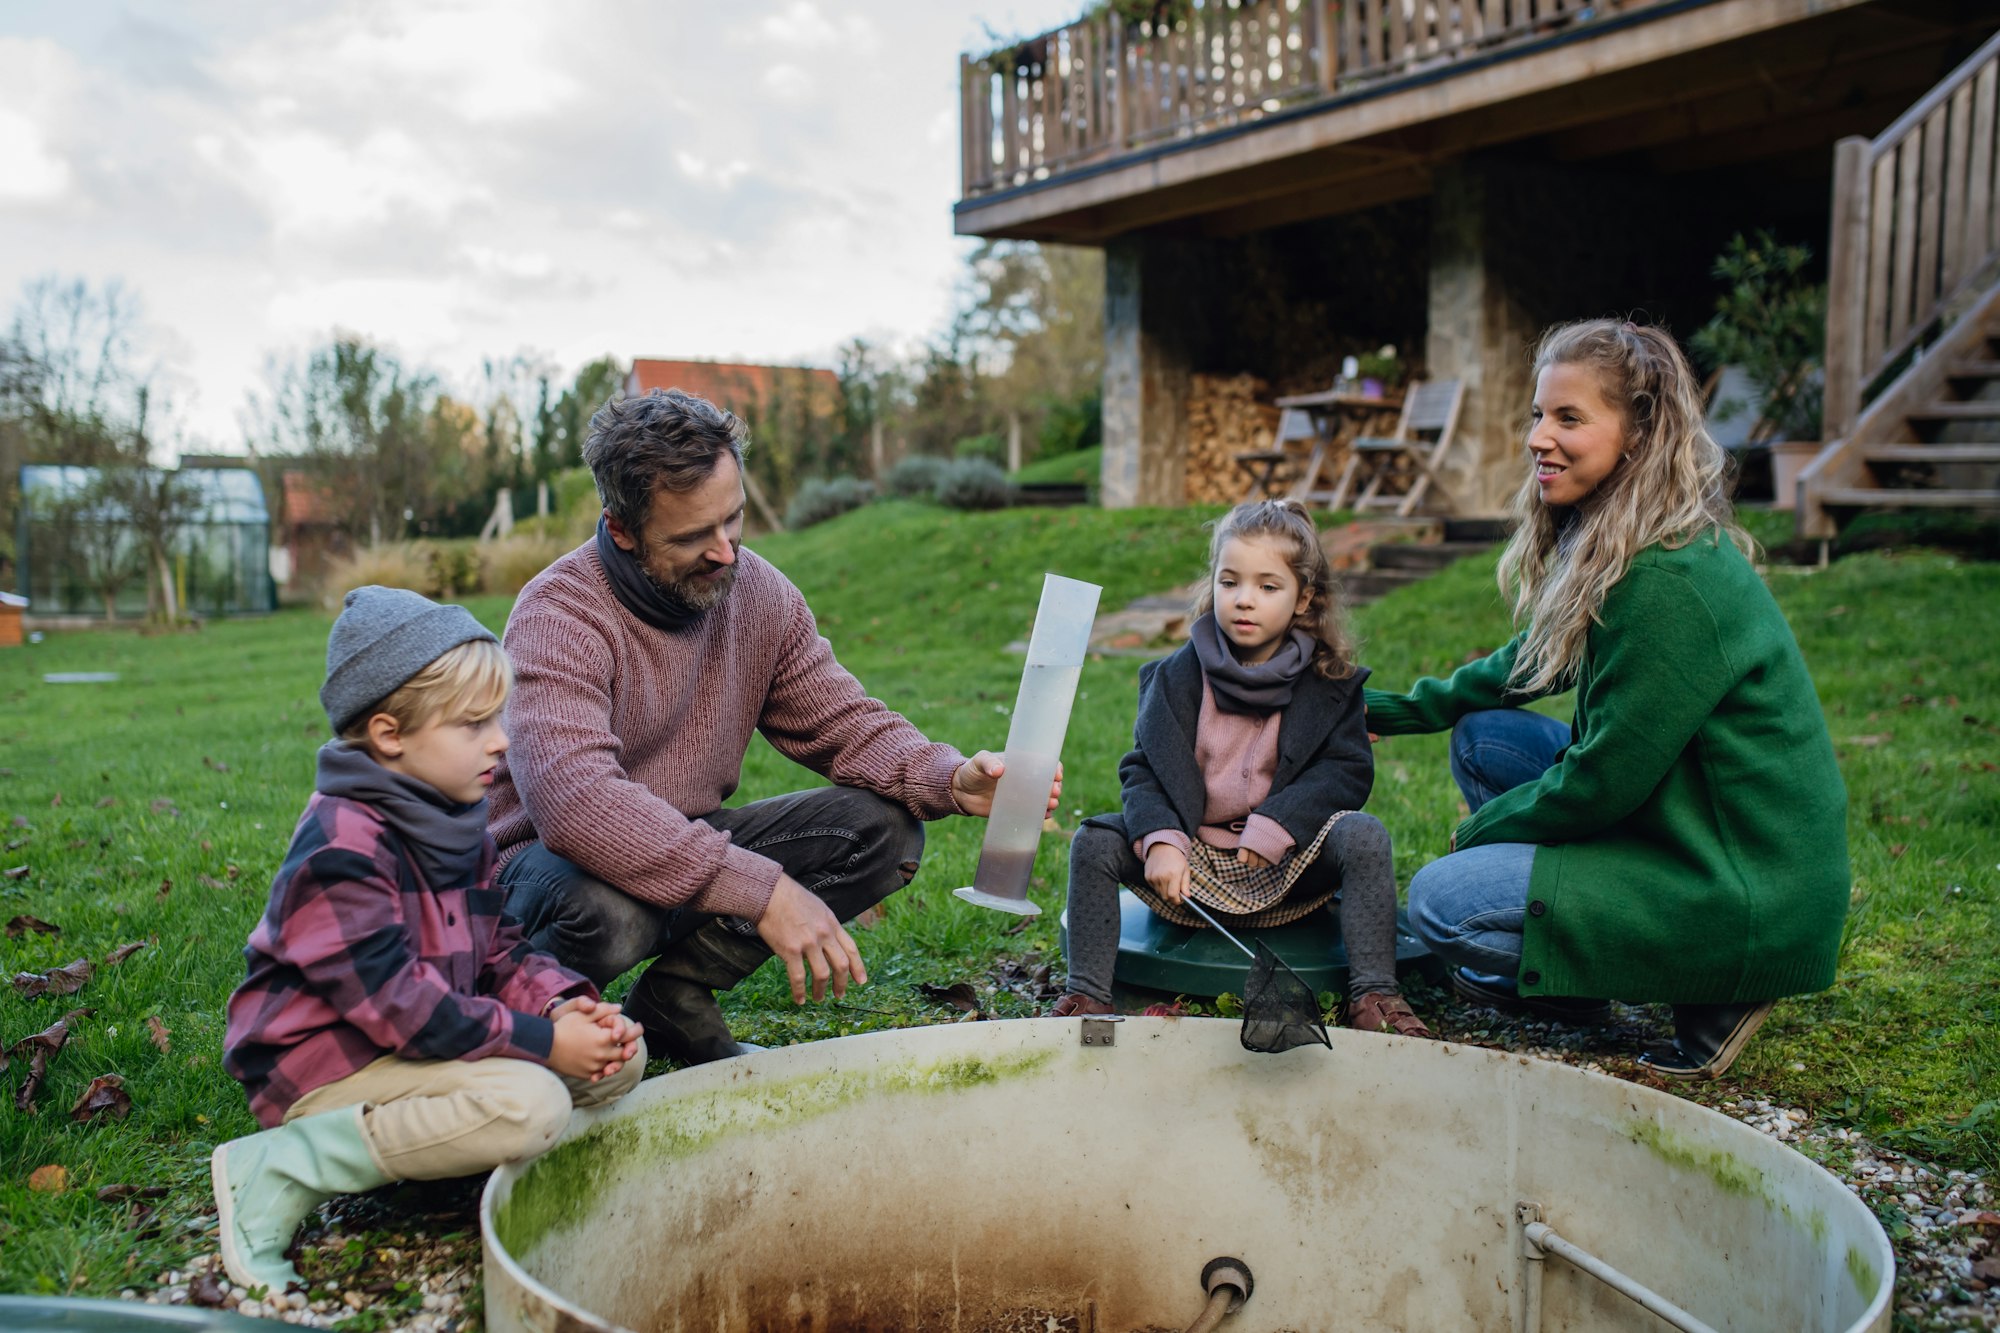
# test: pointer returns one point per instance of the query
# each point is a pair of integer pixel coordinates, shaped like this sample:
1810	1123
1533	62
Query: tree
388	450
1034	318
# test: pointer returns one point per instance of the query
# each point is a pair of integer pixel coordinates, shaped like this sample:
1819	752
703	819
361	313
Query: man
644	661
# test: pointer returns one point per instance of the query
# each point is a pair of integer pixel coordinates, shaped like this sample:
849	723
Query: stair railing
1916	221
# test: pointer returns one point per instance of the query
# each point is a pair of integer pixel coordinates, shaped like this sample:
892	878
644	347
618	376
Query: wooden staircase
1913	311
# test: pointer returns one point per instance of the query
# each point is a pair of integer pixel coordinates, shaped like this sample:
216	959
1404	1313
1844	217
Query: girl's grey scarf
1263	688
635	591
444	836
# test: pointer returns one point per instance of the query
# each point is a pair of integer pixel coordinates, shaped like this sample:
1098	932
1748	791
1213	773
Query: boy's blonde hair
468	683
1290	526
1670	486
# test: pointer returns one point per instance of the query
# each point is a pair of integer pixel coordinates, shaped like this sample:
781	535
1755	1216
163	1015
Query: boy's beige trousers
432	1119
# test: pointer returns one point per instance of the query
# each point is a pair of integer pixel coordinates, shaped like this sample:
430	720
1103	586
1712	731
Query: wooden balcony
1102	126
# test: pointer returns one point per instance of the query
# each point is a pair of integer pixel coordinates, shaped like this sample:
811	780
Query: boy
394	1024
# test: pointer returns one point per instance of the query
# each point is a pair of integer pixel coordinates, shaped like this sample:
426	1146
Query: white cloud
411	313
788	83
29	171
800	24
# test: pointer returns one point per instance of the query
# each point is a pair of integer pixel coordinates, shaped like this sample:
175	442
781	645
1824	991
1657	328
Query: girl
1251	768
1686	839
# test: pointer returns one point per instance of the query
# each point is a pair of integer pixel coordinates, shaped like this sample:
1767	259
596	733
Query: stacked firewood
1226	415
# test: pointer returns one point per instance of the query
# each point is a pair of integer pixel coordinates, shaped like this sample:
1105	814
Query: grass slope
158	806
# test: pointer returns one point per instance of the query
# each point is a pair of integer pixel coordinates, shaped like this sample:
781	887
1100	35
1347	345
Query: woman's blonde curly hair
1669	487
1287	523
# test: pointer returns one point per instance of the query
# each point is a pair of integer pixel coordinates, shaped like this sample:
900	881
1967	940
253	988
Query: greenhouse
79	552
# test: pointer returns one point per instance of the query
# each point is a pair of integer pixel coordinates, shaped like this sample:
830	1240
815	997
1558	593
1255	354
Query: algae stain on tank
563	1188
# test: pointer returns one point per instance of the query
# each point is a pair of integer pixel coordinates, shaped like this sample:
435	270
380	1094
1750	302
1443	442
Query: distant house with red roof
794	414
751	392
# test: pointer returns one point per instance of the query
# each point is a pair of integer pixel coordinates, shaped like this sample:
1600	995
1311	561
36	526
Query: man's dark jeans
851	847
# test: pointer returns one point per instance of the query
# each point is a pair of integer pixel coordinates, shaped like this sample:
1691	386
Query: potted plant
1380	371
1771	322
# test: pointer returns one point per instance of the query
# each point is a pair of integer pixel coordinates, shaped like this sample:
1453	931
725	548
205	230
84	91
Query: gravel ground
408	1258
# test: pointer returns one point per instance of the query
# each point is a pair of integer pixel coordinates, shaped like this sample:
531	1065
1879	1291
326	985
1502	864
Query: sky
761	180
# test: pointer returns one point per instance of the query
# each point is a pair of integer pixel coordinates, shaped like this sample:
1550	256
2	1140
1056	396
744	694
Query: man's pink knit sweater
623	734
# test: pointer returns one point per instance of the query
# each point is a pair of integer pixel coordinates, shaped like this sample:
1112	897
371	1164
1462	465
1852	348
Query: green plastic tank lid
1156	954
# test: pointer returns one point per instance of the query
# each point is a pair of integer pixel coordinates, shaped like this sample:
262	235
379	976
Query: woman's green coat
1693	836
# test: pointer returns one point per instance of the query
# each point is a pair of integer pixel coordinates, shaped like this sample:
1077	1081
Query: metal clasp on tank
1101	1031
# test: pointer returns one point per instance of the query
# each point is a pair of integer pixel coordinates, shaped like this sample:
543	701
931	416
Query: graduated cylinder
1034	744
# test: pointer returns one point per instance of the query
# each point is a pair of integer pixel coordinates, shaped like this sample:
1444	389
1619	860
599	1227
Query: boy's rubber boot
265	1185
674	1000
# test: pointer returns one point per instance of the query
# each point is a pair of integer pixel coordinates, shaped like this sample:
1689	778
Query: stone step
1879	497
1367	585
1484	530
1429	559
1931	453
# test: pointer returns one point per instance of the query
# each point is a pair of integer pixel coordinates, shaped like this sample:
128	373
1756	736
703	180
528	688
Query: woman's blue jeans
1468	906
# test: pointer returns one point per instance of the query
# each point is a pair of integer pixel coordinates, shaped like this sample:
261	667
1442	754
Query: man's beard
694	592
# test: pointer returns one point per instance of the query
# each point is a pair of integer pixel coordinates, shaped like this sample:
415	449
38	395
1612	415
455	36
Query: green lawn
1083	465
156	808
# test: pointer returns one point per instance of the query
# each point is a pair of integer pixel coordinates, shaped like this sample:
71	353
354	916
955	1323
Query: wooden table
1337	417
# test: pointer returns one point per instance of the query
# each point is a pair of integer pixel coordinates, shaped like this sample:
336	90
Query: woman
1686	839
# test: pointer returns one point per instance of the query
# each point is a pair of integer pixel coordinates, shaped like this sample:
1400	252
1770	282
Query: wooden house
1278	183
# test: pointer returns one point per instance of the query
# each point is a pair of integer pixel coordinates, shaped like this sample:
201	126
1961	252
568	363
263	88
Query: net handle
1203	912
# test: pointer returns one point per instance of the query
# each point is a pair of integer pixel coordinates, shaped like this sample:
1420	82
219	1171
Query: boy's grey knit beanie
383	637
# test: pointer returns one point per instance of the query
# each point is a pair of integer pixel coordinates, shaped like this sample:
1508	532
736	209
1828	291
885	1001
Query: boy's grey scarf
635	591
445	836
1263	688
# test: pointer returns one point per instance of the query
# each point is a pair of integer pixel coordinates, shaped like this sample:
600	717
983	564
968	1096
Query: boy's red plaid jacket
357	958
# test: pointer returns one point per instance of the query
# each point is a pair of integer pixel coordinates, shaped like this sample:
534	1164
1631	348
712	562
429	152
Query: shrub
819	500
973	483
509	563
454	567
914	478
392	564
1070	426
989	447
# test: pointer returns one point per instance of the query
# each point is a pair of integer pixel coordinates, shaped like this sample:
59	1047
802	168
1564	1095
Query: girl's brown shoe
1385	1011
1073	1005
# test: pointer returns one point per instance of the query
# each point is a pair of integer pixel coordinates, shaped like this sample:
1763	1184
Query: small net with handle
1279	1010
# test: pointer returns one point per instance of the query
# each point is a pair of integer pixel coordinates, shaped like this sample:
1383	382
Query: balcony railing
1101	87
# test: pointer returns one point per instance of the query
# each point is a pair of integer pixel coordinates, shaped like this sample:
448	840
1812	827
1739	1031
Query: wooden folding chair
1408	461
1270	469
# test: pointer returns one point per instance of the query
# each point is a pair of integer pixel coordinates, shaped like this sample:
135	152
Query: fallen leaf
1896	849
56	981
217	765
164	805
207	846
143	1219
122	952
16	844
20	821
1979	1219
106	802
232	871
1871	740
120	1193
21	925
41	1048
1988	1268
55	800
209	1290
106	1095
160	1033
960	996
1019	926
15	872
51	1179
166	887
210	882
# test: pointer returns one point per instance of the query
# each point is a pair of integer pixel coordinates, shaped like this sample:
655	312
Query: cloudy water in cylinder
1034	745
